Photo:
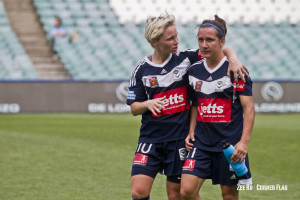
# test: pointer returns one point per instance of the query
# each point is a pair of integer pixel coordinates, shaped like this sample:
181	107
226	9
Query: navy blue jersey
170	79
220	113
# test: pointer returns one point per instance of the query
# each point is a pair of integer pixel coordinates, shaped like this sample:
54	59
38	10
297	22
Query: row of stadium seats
108	48
195	10
14	62
105	49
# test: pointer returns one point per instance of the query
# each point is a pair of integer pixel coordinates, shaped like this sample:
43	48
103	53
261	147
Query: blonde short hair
156	26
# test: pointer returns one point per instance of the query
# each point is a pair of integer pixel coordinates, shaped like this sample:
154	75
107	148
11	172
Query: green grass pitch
88	157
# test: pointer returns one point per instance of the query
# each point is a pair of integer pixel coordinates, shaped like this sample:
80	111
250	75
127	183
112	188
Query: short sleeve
191	91
242	88
136	89
193	55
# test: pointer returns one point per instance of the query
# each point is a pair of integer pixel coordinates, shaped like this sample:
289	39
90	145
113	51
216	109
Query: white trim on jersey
165	80
132	81
245	181
148	57
217	67
210	87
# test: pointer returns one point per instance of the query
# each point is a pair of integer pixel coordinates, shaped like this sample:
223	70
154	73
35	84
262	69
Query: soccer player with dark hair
222	109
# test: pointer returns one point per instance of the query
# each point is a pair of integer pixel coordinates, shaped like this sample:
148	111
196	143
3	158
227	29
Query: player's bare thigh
141	186
190	186
230	192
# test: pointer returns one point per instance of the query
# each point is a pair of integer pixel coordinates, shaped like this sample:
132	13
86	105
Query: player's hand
240	152
238	69
189	141
155	105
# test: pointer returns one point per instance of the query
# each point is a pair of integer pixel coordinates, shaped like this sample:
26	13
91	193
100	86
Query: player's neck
159	58
213	61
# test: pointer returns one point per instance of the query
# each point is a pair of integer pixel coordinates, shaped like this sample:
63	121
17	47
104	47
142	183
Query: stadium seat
14	62
111	40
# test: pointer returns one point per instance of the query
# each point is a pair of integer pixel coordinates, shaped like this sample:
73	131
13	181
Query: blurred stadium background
83	156
110	42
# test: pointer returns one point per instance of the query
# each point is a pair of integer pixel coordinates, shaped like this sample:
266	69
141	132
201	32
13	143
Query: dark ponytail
219	23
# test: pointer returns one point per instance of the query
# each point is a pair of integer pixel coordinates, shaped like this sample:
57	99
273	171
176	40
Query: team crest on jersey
177	75
189	164
198	86
153	82
219	86
140	159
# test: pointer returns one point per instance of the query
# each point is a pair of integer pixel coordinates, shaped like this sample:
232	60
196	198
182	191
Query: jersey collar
217	67
148	57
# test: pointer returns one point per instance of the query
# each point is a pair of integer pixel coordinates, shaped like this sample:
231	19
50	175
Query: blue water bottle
239	168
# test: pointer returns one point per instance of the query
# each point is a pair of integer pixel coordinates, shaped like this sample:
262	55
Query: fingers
242	72
236	77
238	70
234	157
156	105
242	76
188	146
245	71
228	72
153	111
188	143
162	98
243	157
238	156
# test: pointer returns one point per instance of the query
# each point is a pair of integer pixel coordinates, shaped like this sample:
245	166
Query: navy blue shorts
166	158
213	165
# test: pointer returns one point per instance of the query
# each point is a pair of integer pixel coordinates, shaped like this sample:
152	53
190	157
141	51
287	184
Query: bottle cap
225	144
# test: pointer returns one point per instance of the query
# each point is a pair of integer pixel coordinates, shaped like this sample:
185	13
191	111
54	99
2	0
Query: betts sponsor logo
240	87
214	110
189	164
140	159
153	82
176	101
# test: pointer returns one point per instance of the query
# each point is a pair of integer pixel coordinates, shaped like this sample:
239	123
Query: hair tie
208	24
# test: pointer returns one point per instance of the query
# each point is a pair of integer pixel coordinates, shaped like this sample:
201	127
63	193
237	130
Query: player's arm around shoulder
235	65
249	115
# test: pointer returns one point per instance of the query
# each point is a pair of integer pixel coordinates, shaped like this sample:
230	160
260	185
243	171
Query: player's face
209	44
168	43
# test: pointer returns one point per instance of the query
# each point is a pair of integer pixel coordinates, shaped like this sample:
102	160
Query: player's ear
153	42
222	41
